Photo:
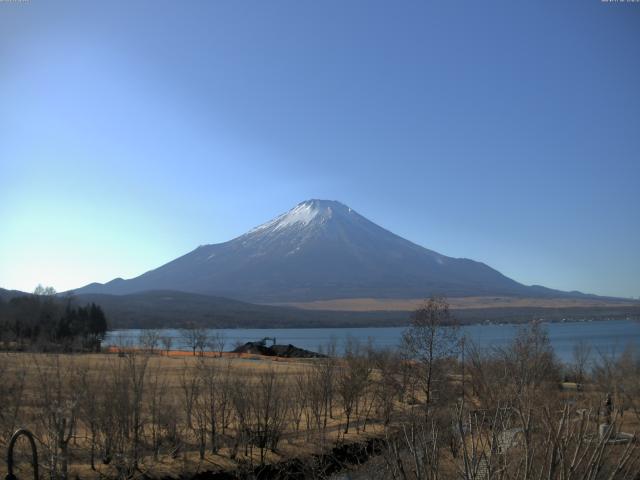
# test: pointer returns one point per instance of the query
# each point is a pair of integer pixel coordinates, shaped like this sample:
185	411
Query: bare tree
353	376
216	342
58	402
564	445
112	410
149	340
528	363
388	385
581	354
413	453
320	387
629	364
189	338
167	342
268	410
619	374
13	379
200	411
195	338
89	384
430	341
44	291
136	372
239	388
189	384
298	401
157	404
210	379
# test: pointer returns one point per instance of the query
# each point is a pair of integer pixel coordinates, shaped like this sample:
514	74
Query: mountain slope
321	250
6	295
171	309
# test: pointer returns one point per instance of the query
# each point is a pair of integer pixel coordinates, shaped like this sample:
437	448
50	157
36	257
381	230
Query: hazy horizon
497	131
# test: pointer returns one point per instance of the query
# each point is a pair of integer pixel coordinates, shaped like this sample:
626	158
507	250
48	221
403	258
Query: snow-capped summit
303	214
320	249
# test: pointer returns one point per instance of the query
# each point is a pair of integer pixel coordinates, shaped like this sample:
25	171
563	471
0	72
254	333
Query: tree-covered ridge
45	321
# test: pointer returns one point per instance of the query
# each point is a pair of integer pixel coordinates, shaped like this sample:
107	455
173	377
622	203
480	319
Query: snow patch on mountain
303	213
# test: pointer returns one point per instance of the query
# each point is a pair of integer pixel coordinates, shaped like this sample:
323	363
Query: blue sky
506	132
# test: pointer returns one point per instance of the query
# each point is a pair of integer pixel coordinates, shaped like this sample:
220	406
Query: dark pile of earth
287	351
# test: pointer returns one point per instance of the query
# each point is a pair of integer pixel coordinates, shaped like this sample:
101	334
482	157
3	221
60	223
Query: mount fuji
321	250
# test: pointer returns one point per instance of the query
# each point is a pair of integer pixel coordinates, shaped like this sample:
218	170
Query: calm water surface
607	337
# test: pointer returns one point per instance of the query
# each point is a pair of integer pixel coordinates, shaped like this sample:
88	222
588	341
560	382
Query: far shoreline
391	325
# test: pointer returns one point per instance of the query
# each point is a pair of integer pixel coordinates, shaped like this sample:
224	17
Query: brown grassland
457	303
439	407
176	411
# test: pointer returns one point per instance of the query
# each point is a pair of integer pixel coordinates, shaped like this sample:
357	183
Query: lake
606	337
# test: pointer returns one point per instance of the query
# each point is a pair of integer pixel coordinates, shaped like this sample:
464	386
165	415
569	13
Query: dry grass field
193	391
134	414
459	303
